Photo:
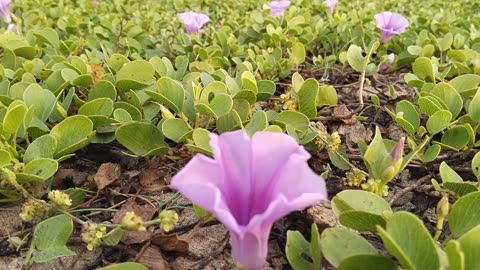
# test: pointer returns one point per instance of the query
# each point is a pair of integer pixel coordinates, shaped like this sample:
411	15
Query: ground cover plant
239	134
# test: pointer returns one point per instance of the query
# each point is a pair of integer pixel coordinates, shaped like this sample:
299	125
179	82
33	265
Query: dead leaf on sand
152	257
107	174
171	243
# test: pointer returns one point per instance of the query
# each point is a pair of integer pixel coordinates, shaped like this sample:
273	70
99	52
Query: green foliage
50	238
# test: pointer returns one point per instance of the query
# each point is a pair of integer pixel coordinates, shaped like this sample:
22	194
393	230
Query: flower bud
92	235
132	222
60	199
443	207
169	219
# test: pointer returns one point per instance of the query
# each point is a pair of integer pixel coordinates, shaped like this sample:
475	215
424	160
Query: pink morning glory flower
330	4
390	24
5	10
277	8
193	21
248	185
390	60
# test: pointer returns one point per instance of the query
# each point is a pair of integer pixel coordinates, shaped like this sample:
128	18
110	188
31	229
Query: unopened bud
132	222
169	219
60	199
443	207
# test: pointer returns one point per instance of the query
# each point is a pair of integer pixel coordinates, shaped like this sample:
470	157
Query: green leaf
375	155
405	110
466	84
72	134
134	75
298	53
99	106
249	82
429	105
38	170
113	237
423	68
339	158
5	158
143	139
201	139
296	249
355	58
474	108
48	35
455	138
53	232
170	93
338	244
448	174
229	122
476	165
464	215
430	154
14	118
52	253
307	95
42	147
125	266
258	122
103	89
456	258
361	201
461	189
266	89
297	120
367	262
176	129
407	239
446	93
327	95
361	220
438	121
470	246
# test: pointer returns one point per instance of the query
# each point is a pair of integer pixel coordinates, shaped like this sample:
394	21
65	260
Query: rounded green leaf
367	262
72	134
423	68
361	201
455	138
470	246
438	121
430	154
266	89
42	147
103	89
355	58
99	106
464	215
361	220
297	53
429	105
409	113
134	75
327	95
466	84
296	119
125	266
446	93
258	122
176	129
143	139
14	118
170	93
307	95
407	239
38	170
338	244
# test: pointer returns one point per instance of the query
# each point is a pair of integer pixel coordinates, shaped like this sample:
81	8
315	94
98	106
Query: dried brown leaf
171	243
107	174
153	258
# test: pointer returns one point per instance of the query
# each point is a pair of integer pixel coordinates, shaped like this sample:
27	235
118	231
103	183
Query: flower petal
250	250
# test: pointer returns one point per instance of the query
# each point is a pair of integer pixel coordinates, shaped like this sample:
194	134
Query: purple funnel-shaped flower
251	183
330	4
391	24
5	10
193	21
277	7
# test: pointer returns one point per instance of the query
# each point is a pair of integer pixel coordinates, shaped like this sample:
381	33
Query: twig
404	191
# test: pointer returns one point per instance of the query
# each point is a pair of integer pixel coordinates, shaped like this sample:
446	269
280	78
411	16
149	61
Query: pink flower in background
330	4
5	10
251	183
390	24
387	65
277	8
193	21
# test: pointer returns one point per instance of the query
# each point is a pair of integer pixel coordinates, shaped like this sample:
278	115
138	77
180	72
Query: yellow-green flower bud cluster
92	235
288	102
334	141
32	208
60	199
132	222
169	219
355	177
376	187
